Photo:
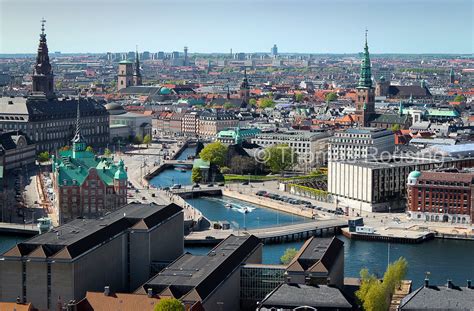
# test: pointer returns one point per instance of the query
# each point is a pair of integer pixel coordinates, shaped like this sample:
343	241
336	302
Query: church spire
137	76
78	142
365	79
42	73
137	63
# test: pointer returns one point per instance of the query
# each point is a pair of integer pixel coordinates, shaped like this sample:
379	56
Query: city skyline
98	28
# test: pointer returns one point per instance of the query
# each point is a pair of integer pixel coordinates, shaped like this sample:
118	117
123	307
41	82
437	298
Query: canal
172	176
441	258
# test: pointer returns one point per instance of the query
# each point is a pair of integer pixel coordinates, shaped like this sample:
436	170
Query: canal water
443	259
214	208
172	176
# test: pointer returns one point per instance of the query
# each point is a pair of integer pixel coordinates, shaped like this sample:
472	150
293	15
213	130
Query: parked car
221	184
245	183
210	185
261	193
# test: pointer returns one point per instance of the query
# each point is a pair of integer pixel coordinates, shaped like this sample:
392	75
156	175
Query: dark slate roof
439	298
9	140
38	107
290	296
324	250
200	274
408	90
78	236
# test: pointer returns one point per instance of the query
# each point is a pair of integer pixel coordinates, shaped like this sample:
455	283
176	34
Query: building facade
86	185
445	196
211	123
360	143
47	120
118	250
16	150
310	146
375	185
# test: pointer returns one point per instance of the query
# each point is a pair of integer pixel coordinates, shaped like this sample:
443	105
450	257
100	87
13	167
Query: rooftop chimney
427	282
450	284
469	284
149	292
107	291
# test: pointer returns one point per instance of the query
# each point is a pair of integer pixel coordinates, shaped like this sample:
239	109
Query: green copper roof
365	79
434	112
120	174
414	174
69	168
125	62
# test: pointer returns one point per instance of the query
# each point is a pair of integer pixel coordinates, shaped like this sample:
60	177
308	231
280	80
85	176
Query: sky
304	26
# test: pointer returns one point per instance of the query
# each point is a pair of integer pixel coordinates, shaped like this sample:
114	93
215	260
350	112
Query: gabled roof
316	255
290	296
78	236
439	298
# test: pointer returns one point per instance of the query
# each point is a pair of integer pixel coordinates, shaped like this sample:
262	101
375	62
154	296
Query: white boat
228	205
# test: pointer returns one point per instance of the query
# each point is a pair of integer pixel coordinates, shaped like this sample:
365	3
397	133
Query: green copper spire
120	174
365	79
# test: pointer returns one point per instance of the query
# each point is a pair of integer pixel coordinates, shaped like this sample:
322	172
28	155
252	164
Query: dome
114	108
414	175
165	91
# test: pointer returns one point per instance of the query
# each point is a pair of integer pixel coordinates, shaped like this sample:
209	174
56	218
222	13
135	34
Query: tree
288	256
107	152
460	98
43	156
138	140
225	170
228	105
299	97
89	149
241	165
196	175
147	139
395	127
375	295
266	102
330	97
253	102
280	157
214	153
169	304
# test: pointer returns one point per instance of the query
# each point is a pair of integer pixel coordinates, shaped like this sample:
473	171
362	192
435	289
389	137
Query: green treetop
214	153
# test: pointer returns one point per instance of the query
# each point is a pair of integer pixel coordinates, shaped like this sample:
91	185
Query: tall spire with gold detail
78	142
43	79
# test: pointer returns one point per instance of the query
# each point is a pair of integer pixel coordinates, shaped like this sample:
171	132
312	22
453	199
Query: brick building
441	196
86	185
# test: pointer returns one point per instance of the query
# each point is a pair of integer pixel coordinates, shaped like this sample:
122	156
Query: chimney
107	291
450	284
427	282
469	284
149	292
